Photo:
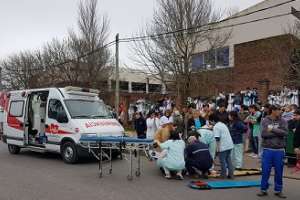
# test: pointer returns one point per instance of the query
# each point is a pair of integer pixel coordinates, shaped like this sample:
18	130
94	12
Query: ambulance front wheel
69	153
13	149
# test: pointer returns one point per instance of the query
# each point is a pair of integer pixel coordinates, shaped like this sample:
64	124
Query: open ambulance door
14	126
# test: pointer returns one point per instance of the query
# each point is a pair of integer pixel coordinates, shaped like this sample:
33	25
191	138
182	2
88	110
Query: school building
257	54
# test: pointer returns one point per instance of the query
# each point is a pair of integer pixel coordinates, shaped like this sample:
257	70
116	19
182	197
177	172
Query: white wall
257	30
137	76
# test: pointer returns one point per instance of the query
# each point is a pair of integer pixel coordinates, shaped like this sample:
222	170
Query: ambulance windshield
87	109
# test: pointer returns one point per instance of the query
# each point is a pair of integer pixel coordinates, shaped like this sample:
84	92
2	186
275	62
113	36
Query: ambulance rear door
14	124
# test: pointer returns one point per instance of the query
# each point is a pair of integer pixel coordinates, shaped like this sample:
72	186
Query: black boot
280	195
262	194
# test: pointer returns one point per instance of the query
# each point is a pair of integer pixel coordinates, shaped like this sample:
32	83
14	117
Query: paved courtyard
34	176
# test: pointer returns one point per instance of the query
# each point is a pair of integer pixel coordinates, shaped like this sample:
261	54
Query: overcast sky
28	24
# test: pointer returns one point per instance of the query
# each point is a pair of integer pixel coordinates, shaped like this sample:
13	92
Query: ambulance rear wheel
13	149
69	153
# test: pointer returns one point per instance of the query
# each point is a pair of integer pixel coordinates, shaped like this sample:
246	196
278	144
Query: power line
172	33
137	39
69	60
205	25
96	50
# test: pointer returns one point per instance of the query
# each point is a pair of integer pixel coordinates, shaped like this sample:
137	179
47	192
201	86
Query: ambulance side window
55	107
16	109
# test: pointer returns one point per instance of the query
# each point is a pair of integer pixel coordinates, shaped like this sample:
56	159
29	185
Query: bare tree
293	72
53	55
169	57
81	59
93	33
20	70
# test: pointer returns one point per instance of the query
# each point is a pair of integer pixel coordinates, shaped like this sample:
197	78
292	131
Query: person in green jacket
254	120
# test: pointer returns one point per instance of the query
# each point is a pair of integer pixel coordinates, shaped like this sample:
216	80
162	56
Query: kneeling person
173	158
197	157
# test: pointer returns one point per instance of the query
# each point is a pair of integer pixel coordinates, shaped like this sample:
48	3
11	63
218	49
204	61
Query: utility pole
117	90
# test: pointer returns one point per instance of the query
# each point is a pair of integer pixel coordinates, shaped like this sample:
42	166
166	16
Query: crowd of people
188	140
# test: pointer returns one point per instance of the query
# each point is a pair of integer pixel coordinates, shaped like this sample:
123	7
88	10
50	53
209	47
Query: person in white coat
151	125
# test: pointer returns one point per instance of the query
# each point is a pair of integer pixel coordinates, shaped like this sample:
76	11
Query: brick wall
260	60
266	59
210	83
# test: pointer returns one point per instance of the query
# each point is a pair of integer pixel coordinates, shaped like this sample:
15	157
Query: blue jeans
272	158
225	160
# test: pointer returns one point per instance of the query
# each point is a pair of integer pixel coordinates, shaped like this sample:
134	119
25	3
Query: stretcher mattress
112	139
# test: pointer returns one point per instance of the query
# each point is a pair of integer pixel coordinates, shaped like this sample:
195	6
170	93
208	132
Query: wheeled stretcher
102	147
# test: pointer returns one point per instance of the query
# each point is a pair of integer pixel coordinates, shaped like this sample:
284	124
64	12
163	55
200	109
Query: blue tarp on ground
232	184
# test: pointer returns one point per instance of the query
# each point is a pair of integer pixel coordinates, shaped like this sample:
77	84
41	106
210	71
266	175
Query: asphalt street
34	176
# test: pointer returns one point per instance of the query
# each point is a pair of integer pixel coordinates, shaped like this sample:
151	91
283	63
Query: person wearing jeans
224	146
272	158
225	160
274	132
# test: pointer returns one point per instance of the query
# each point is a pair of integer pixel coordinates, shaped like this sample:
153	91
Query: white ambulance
54	119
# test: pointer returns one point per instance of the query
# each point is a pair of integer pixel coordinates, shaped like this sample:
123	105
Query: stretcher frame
97	146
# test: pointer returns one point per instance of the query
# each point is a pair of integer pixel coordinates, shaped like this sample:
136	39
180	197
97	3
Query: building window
124	86
155	88
138	87
211	59
223	56
198	61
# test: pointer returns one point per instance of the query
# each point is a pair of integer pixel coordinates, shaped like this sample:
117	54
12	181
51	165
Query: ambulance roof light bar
78	89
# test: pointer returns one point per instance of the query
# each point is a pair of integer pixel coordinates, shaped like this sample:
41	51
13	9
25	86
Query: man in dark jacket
274	132
237	129
197	157
140	126
295	126
222	114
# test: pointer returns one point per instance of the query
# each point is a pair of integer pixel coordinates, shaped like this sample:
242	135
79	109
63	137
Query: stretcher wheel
110	171
100	175
138	173
129	177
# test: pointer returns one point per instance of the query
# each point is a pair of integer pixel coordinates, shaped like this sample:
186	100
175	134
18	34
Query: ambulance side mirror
62	117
